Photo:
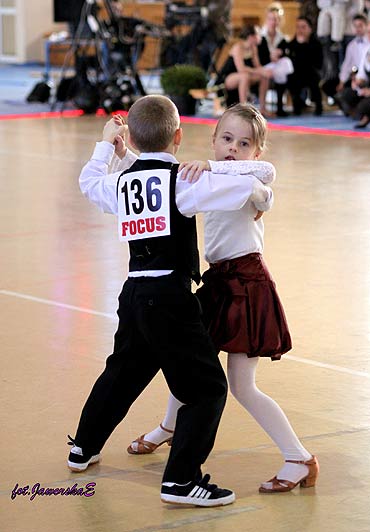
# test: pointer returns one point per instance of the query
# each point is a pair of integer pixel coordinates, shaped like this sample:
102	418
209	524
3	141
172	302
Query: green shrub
177	80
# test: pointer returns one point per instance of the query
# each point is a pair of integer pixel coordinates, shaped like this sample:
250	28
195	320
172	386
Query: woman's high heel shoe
146	447
276	485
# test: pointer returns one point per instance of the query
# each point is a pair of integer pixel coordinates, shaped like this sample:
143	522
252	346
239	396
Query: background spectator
363	107
309	10
355	51
331	26
366	9
271	47
242	69
354	7
305	51
351	95
332	19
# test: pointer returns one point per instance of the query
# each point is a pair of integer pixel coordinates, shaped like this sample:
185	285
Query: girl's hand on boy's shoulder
192	171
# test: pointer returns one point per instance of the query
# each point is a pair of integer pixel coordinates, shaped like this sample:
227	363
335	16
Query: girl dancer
242	309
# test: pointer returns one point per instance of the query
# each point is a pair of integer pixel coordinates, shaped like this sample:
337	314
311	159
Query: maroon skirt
242	309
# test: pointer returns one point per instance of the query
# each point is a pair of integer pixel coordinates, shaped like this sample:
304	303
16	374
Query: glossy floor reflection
62	268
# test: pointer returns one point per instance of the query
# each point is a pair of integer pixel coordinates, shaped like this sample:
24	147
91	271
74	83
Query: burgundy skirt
242	309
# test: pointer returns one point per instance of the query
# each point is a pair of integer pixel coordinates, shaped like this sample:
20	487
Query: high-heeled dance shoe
146	447
276	485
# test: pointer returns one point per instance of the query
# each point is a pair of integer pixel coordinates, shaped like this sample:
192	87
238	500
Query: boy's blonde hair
152	122
252	116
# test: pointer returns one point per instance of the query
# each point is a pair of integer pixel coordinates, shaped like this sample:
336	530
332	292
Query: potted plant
176	82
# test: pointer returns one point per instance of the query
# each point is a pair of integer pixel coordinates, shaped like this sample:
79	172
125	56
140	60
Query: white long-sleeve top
364	65
228	235
230	187
355	52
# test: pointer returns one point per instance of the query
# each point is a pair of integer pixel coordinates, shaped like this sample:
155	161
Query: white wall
34	20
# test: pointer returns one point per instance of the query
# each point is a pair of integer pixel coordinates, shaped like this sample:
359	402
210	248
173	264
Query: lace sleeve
262	170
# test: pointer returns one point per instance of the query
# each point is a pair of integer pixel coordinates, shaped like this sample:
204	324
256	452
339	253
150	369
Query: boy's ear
213	141
132	142
178	137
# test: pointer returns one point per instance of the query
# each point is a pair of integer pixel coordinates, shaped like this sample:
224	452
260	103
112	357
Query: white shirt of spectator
355	52
364	65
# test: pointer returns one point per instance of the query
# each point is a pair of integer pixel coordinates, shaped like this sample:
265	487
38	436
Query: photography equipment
180	13
107	78
40	92
70	11
206	36
118	95
67	10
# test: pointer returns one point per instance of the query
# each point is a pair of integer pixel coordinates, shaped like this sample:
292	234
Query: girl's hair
276	7
247	31
307	20
252	116
152	122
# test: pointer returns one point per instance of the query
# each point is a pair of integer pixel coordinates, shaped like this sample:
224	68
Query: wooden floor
61	271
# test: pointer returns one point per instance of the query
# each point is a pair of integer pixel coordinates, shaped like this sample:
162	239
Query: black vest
177	251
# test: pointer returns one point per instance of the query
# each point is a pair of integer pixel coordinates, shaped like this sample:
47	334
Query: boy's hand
120	146
192	171
113	128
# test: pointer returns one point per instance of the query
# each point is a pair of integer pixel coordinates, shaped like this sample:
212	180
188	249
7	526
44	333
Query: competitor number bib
144	204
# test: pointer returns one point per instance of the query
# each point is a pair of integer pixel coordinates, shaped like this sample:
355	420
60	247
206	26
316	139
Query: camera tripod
106	78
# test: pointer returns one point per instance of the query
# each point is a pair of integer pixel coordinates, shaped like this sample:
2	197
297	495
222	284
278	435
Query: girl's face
272	21
252	40
234	140
303	30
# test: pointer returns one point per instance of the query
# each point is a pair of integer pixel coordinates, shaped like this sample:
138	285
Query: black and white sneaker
196	493
77	460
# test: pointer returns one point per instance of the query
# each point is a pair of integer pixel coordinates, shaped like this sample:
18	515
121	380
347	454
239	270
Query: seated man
347	97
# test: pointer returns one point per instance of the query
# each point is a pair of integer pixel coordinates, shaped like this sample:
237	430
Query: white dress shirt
355	52
364	65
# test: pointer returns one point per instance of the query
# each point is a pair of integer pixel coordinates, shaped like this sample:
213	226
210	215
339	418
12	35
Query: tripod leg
139	84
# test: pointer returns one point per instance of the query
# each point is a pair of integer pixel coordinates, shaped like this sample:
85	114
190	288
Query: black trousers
296	84
160	328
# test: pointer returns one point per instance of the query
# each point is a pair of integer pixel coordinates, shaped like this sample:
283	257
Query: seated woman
271	47
243	69
305	51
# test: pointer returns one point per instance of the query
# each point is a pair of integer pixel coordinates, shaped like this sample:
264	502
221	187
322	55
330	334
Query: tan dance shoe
147	447
276	485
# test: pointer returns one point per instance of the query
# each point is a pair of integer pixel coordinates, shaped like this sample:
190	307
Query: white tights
241	372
